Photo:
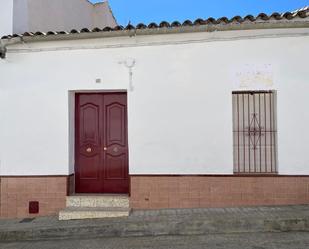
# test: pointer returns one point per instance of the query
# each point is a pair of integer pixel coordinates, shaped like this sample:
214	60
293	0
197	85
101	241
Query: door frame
72	133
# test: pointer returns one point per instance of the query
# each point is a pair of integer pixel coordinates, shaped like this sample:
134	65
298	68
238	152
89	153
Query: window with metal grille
255	132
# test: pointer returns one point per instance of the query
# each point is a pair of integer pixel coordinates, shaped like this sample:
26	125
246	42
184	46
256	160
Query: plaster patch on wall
253	76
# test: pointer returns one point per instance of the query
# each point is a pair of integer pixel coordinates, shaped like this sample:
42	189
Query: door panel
101	158
89	141
89	125
115	167
116	123
116	156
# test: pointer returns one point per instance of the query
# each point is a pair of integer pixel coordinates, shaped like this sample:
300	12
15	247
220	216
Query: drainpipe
6	42
3	52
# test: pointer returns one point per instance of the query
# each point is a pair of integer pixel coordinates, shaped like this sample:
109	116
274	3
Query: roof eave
159	31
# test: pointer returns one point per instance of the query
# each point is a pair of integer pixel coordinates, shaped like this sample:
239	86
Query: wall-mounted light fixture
129	63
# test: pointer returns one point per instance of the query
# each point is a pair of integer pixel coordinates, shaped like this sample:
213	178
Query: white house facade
205	114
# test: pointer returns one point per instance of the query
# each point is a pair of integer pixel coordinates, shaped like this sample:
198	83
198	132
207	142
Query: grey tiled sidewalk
164	222
261	212
290	240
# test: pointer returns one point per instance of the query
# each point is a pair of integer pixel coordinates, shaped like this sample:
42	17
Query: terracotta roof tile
211	20
250	18
199	21
153	25
96	30
164	24
106	29
175	24
118	28
141	26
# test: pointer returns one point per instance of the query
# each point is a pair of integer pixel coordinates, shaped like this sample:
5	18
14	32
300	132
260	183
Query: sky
147	11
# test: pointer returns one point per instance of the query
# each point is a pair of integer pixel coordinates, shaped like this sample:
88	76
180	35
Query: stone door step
79	213
99	201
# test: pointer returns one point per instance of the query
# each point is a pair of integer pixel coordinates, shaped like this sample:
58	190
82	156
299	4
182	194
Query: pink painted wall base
150	192
17	192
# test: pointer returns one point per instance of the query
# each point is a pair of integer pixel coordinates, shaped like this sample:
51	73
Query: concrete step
100	201
79	213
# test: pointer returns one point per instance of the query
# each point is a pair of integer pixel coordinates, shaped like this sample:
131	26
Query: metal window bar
255	132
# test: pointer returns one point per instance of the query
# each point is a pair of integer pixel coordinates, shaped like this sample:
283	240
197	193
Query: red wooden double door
101	144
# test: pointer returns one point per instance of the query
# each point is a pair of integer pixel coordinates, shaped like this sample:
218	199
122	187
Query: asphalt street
219	241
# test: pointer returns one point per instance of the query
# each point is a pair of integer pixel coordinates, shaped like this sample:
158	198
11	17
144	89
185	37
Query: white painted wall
20	16
55	15
6	17
102	16
180	112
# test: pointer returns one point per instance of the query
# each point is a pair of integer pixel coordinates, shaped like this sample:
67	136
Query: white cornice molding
20	45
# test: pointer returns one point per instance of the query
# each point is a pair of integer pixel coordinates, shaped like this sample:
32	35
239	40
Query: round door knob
105	149
89	150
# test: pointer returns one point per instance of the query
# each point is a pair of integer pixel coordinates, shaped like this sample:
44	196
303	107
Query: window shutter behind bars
255	132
